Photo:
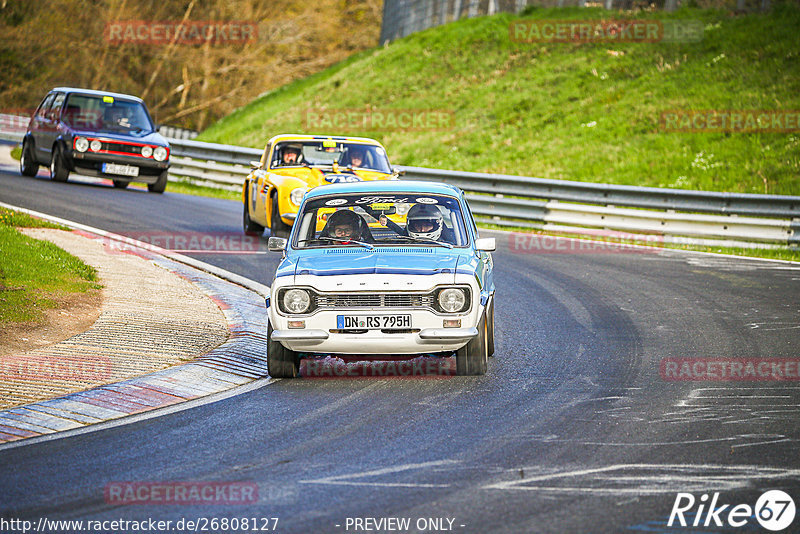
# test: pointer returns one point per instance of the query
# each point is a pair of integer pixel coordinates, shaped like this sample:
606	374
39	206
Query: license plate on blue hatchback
122	170
373	322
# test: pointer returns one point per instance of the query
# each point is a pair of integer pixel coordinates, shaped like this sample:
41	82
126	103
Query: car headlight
160	153
452	299
81	144
401	208
296	301
95	145
147	151
296	196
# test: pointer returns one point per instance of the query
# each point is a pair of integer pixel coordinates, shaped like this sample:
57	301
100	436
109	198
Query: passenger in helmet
424	221
348	225
356	156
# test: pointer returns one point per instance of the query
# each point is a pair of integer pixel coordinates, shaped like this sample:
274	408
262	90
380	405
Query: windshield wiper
422	240
340	240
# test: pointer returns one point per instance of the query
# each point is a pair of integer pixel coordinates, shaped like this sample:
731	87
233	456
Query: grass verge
575	111
35	275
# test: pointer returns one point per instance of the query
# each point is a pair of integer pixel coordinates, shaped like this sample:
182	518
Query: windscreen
381	219
326	153
106	113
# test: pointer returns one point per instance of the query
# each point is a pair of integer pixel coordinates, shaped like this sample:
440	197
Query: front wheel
472	358
281	362
161	183
58	167
27	165
277	228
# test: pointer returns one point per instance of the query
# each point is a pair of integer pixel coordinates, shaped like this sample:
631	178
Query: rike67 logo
774	510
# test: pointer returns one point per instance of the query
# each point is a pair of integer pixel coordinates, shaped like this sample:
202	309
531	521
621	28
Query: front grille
375	300
121	147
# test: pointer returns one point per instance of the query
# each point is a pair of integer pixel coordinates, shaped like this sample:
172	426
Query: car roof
313	137
385	186
95	93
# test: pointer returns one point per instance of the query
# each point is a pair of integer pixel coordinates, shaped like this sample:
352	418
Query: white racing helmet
425	220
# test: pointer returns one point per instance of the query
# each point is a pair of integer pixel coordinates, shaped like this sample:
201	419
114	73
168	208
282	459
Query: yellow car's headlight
296	196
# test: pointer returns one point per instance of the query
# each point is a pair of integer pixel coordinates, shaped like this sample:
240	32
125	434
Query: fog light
451	323
297	324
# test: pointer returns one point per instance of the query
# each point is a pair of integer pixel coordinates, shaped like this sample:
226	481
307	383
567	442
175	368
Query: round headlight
452	299
160	153
296	300
296	196
81	144
147	151
96	145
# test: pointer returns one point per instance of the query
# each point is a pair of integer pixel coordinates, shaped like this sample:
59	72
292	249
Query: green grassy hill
586	112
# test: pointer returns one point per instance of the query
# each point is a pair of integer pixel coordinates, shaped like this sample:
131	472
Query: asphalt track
573	429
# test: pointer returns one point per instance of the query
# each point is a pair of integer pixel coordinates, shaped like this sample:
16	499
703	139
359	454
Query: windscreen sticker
380	200
336	202
426	200
329	144
108	99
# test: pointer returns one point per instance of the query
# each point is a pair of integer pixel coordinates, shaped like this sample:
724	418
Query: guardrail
704	217
738	219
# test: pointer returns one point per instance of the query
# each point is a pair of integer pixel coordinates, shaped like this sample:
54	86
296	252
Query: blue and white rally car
382	268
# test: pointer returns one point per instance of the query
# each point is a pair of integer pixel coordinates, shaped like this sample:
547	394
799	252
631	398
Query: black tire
58	167
281	362
277	228
120	184
472	358
490	328
27	163
161	183
250	227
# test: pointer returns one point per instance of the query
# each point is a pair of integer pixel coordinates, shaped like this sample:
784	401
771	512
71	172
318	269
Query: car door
258	196
38	127
53	130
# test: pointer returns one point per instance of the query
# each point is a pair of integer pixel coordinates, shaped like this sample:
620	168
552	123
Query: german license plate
122	170
373	322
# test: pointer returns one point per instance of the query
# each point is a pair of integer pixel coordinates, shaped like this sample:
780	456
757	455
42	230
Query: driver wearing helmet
291	154
346	225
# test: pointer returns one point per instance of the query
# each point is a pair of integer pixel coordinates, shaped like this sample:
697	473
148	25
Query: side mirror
398	172
487	244
276	244
255	165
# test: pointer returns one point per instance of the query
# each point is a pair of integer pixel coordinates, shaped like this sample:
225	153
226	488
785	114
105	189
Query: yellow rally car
293	164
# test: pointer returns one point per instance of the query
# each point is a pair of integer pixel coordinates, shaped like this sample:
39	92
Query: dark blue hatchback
96	133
